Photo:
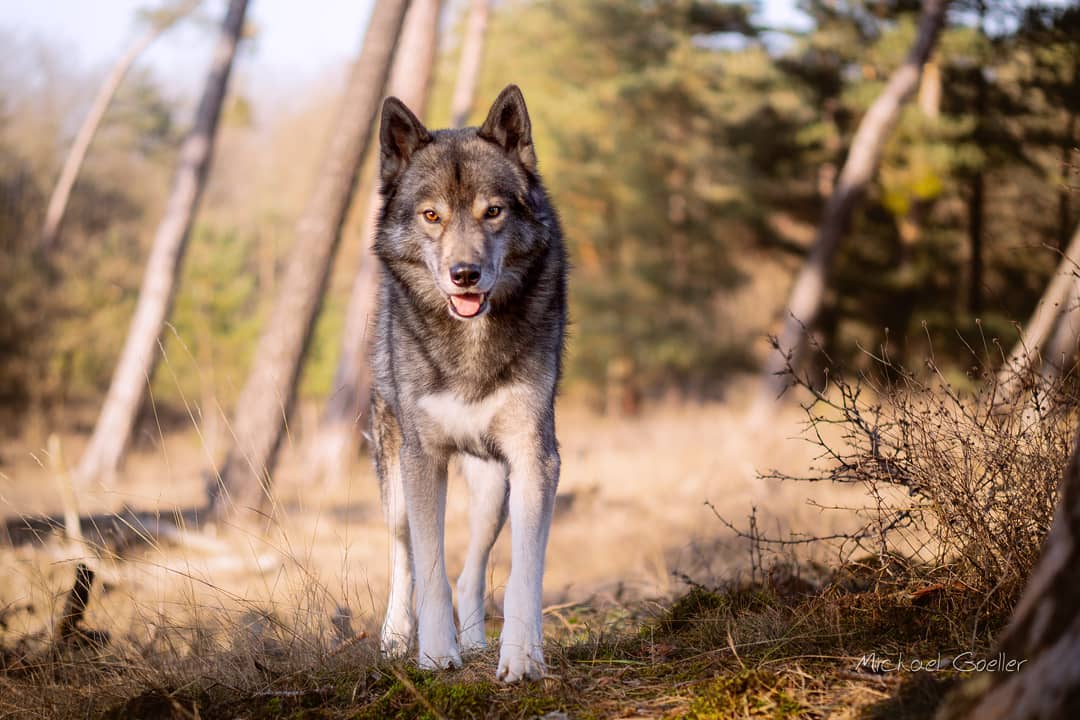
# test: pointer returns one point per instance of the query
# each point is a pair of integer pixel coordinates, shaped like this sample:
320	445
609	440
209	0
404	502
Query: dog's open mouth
468	305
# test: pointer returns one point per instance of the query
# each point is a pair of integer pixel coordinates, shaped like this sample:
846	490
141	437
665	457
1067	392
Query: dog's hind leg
487	512
386	446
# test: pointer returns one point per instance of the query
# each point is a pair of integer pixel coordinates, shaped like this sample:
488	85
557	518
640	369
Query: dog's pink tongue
467	305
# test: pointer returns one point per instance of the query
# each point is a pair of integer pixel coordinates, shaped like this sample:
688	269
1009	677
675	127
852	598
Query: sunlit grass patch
743	650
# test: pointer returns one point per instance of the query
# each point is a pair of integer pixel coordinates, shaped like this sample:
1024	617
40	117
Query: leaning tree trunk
1044	632
472	55
1036	333
352	379
1055	362
58	201
268	395
1060	353
807	294
139	355
410	79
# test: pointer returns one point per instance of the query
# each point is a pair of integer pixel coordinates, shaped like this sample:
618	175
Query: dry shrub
957	476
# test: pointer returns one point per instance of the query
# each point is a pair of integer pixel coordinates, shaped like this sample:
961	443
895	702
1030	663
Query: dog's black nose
465	274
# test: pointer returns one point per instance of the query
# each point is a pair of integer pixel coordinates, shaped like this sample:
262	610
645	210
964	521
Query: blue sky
296	41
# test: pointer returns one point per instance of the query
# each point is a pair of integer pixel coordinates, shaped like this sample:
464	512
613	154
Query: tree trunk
930	91
910	225
58	201
410	79
975	236
472	55
139	356
976	202
807	295
1065	192
1061	350
1044	632
1035	334
268	395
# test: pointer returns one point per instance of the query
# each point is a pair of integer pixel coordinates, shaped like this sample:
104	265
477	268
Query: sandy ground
631	512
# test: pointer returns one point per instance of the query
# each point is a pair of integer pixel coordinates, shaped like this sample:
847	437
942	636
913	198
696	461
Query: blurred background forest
689	146
726	173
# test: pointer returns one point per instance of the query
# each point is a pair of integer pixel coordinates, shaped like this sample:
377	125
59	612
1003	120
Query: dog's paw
440	660
394	638
520	661
393	645
439	649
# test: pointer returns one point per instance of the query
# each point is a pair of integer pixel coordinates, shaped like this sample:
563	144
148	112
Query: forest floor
654	607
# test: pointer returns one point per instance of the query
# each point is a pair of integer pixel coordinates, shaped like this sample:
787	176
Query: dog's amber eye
431	216
494	211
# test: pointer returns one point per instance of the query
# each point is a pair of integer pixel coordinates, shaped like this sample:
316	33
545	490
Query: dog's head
459	204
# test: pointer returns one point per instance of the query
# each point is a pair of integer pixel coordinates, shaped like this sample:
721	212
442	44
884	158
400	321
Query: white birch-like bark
140	352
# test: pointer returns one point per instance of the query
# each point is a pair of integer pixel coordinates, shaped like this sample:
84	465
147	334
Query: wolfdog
467	353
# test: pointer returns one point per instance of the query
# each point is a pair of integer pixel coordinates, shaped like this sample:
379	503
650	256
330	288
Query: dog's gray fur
481	388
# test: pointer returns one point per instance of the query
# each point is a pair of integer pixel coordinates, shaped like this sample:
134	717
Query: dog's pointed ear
400	136
508	126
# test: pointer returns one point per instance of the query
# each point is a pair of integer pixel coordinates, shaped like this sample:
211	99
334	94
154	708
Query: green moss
464	699
533	702
306	706
751	693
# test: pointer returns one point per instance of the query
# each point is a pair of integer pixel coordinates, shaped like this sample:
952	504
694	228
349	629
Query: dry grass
277	625
781	649
630	512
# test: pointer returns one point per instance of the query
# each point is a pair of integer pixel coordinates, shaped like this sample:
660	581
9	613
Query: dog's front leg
487	514
424	478
534	476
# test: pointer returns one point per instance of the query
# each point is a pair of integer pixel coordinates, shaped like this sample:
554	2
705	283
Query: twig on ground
408	685
69	629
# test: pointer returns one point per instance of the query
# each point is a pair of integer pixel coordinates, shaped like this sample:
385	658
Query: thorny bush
959	476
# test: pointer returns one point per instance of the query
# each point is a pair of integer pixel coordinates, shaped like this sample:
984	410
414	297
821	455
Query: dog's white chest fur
461	420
